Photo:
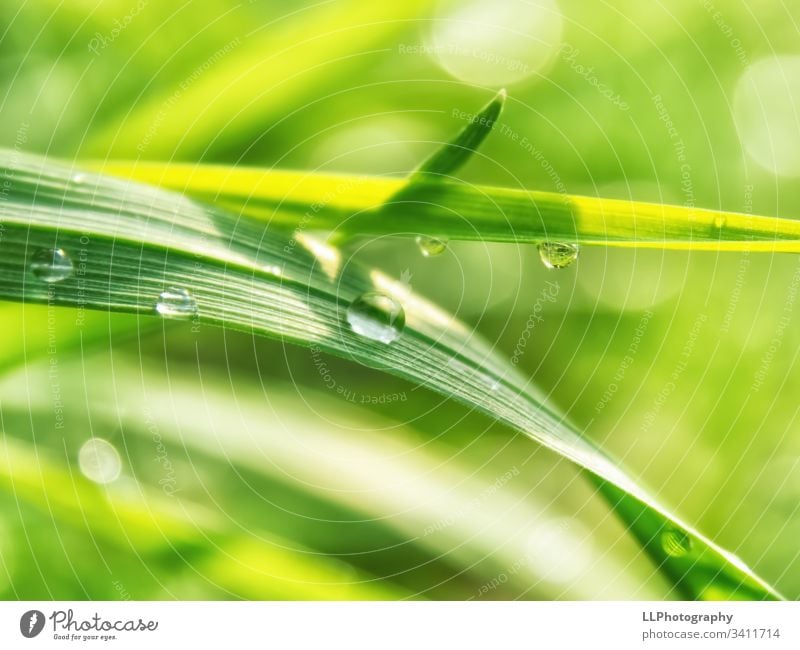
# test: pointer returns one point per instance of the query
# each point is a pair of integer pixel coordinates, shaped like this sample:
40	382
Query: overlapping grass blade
360	205
134	242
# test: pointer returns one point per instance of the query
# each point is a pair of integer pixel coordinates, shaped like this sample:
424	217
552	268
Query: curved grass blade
690	562
137	242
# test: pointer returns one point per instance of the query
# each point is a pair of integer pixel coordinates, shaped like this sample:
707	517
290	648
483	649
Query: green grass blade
353	205
29	331
452	155
150	523
135	242
254	81
693	567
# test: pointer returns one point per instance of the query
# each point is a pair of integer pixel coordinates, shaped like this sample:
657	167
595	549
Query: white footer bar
398	625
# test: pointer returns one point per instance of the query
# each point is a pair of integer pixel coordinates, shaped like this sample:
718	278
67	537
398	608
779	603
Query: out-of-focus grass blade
407	504
254	82
34	477
147	522
31	331
147	251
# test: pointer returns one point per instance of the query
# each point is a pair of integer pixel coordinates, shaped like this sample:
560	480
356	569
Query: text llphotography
421	324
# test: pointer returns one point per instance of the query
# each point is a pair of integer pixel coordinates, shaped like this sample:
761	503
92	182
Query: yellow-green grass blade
362	205
143	241
248	85
31	331
144	521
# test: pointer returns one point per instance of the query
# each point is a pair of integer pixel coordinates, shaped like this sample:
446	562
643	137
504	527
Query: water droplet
675	542
555	255
99	461
376	316
431	246
78	178
176	303
51	265
275	270
719	222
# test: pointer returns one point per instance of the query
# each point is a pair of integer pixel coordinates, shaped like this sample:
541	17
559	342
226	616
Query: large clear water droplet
555	255
431	246
99	461
376	316
675	542
51	265
176	303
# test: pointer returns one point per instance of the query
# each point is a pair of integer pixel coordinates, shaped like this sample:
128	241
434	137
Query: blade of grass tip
689	561
452	155
216	267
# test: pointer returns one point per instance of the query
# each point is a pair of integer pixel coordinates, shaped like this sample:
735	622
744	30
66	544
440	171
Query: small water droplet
99	461
719	222
78	178
675	542
431	246
555	255
275	270
376	316
176	303
51	265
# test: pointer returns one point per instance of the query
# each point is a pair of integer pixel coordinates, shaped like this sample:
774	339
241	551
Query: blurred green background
230	467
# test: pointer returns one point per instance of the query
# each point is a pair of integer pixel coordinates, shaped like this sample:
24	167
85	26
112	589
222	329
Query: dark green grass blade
451	156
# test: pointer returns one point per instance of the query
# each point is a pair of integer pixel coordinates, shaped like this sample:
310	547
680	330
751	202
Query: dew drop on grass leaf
555	255
376	316
176	303
275	270
675	542
99	461
431	246
51	265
